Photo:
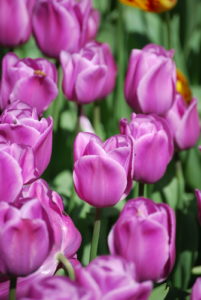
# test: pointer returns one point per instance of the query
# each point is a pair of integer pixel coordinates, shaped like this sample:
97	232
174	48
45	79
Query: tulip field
100	150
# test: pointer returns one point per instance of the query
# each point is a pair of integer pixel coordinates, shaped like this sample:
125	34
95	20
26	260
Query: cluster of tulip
37	237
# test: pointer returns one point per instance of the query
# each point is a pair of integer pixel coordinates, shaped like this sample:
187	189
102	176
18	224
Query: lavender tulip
64	25
196	290
15	21
183	119
105	167
113	278
33	81
28	232
150	80
90	74
56	288
145	234
11	179
67	239
19	124
153	145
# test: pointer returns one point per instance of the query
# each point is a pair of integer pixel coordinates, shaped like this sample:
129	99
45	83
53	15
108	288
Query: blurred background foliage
125	28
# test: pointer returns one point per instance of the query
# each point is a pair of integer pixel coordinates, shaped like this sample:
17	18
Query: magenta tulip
153	145
150	80
183	119
33	81
19	124
55	288
90	74
145	234
15	21
24	233
64	25
113	278
196	290
102	171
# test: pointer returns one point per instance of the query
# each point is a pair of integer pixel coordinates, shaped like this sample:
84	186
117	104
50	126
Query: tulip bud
150	80
64	25
196	290
153	145
105	167
113	278
151	5
90	74
15	21
183	117
145	234
198	196
33	81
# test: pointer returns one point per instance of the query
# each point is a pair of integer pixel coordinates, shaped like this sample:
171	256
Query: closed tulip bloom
113	278
28	232
150	80
19	124
90	74
64	25
183	116
156	6
33	81
198	197
104	167
145	234
15	21
153	145
196	290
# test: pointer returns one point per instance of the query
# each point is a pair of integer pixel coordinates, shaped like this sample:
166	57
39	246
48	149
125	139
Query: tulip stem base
12	288
67	265
96	234
141	189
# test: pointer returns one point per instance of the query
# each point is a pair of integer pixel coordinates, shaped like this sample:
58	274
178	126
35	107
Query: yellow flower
182	87
157	6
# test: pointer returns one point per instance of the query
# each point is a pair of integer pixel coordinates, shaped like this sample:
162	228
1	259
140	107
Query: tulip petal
100	181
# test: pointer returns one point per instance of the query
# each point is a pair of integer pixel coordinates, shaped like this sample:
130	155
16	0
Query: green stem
141	189
67	265
96	234
79	114
180	178
97	117
12	288
168	29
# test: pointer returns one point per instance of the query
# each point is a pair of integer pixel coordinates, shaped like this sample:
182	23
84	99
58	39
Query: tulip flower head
145	234
183	117
196	290
150	80
102	171
156	6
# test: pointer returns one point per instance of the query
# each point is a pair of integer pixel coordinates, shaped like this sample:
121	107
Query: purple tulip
196	290
113	278
104	167
67	239
145	235
153	145
11	179
33	81
64	25
56	287
19	124
15	21
24	233
183	119
90	74
150	80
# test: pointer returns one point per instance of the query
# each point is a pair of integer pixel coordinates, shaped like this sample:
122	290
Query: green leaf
160	292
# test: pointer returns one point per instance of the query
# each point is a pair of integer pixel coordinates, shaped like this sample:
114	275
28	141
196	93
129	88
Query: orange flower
157	6
182	87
